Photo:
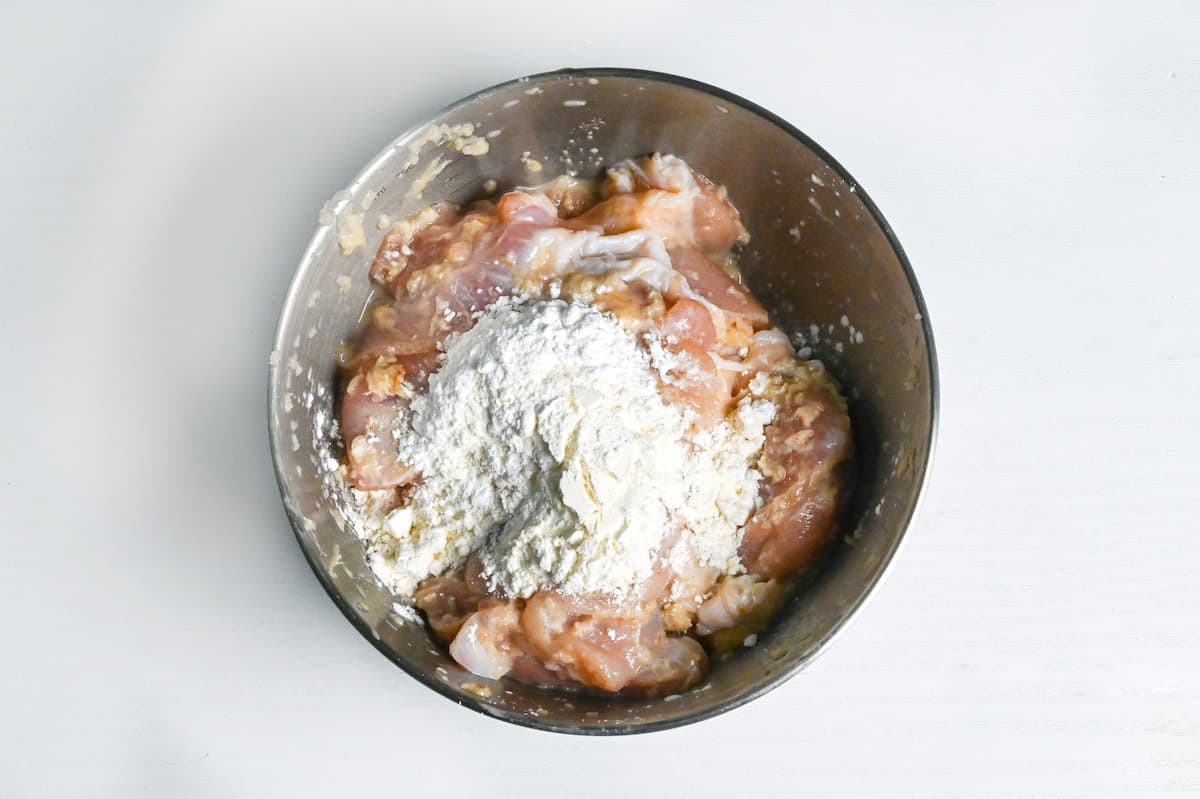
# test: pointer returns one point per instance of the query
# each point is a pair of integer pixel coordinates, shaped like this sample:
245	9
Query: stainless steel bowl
821	257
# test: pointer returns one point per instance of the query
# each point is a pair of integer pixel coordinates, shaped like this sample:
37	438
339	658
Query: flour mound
544	445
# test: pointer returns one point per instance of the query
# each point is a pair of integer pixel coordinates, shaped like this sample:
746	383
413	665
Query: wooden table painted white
162	169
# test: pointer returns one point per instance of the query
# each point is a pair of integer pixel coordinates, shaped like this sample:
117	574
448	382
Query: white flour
544	444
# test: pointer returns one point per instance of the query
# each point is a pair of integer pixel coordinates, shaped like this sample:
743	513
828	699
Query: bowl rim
775	680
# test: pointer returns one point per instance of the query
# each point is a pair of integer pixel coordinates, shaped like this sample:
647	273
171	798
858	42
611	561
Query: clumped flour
545	446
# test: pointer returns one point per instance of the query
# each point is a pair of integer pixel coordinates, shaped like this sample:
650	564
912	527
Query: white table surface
162	170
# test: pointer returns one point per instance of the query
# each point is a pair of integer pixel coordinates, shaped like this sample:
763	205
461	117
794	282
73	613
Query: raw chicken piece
688	586
463	261
421	240
712	283
367	421
689	331
696	384
715	222
447	601
768	351
362	410
664	194
679	663
398	351
805	473
528	669
666	214
487	644
736	600
601	652
740	606
555	640
606	648
689	322
636	305
402	329
545	621
570	195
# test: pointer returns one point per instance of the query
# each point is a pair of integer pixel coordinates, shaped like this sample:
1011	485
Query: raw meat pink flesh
645	210
447	601
713	284
402	329
698	385
607	648
664	194
599	651
552	639
804	462
366	424
678	663
690	322
735	599
715	221
486	643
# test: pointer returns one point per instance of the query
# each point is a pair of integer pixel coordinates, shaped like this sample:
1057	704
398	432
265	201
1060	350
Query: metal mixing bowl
821	258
